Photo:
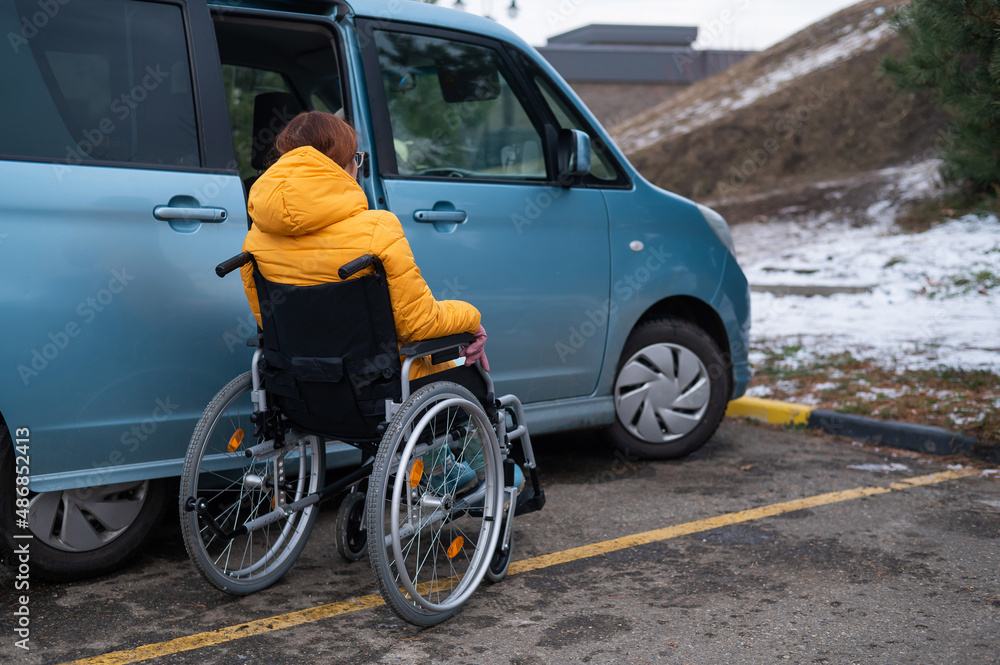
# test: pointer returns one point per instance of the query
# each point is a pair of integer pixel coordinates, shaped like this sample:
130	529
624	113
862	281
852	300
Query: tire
671	390
236	489
351	536
78	533
426	573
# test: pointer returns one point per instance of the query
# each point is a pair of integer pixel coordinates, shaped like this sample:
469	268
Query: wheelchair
327	368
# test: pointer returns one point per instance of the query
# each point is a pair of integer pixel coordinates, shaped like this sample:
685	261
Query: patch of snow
826	386
907	319
968	420
759	391
989	473
883	468
851	41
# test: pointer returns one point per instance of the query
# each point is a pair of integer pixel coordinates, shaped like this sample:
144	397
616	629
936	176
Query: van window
98	81
601	167
453	112
603	170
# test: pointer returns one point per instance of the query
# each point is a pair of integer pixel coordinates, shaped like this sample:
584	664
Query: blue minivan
132	131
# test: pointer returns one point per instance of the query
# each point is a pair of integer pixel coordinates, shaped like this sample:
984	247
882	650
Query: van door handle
169	213
431	216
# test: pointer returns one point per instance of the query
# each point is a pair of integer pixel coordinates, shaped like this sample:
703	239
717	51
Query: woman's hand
476	351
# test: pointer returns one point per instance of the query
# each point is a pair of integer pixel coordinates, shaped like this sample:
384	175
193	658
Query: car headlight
720	227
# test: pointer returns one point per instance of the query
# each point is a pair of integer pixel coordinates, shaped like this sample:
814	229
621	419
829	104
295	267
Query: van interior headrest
271	112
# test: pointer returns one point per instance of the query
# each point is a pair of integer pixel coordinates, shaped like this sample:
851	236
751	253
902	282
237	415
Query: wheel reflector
416	473
455	547
235	440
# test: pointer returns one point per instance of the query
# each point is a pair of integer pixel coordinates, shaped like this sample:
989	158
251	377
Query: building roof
628	35
662	54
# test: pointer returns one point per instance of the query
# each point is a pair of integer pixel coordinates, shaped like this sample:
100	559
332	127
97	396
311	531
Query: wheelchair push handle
356	266
232	264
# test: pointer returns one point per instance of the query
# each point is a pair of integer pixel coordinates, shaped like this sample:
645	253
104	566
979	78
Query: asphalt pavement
765	546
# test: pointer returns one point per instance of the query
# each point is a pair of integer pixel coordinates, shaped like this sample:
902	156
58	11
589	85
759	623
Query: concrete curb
909	436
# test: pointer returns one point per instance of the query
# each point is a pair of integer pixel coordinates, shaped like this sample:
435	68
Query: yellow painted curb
770	411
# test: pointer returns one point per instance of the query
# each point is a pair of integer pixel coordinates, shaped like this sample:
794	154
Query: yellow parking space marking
769	411
772	510
232	633
331	610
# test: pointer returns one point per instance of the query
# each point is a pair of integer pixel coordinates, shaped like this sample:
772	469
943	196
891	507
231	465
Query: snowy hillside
675	116
812	108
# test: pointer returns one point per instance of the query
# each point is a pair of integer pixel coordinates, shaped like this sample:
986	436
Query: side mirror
574	155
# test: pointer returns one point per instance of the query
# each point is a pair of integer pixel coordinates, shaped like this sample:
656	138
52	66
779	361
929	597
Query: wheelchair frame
247	511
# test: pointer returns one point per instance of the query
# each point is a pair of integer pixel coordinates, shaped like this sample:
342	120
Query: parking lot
764	546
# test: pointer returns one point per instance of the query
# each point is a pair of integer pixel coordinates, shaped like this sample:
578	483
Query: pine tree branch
995	19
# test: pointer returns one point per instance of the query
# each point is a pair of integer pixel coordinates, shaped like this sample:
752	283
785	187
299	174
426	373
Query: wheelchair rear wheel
237	489
433	529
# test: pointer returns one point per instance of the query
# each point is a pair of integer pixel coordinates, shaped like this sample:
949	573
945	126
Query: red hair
324	131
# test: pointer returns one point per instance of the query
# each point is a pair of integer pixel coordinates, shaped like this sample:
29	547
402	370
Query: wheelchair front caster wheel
500	561
352	538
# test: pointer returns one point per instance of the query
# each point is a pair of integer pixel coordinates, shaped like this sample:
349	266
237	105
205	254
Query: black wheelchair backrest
330	352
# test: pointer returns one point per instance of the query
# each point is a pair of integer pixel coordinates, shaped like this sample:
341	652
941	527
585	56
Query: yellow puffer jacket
310	217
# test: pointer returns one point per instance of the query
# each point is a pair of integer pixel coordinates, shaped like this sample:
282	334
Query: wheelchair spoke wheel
434	504
235	489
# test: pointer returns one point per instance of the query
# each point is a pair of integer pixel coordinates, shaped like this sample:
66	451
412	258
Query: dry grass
952	205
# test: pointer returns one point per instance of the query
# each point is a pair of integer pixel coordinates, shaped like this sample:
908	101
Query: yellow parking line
231	633
312	614
669	532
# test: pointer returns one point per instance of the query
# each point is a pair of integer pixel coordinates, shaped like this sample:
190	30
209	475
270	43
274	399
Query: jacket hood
302	192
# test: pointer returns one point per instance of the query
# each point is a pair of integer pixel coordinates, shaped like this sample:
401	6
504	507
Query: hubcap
85	519
662	393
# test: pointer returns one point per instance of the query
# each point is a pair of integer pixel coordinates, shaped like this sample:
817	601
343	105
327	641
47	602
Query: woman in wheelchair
354	349
310	217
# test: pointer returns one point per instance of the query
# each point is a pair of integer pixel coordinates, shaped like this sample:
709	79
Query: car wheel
81	532
671	390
